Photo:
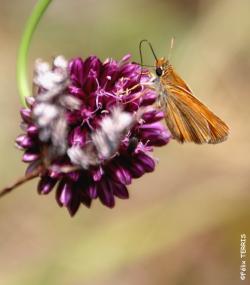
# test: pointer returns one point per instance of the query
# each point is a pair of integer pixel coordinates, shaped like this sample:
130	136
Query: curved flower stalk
89	129
22	57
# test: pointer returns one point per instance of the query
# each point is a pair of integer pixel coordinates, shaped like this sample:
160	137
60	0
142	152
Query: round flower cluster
90	129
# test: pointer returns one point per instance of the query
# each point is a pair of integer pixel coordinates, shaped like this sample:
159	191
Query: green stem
22	58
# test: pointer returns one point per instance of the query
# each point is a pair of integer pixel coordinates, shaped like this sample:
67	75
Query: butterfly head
161	66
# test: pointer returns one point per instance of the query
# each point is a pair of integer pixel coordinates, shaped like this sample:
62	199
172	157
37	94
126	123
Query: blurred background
182	224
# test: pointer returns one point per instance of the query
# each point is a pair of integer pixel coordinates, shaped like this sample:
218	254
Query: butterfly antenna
171	47
151	47
141	57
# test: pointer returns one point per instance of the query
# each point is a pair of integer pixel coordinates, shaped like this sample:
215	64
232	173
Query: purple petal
54	173
120	174
155	134
85	200
120	191
153	116
45	185
149	98
109	74
80	70
74	204
125	59
78	137
92	63
91	83
64	193
30	156
24	141
129	69
136	170
32	130
97	174
92	190
74	175
105	194
76	67
26	115
146	161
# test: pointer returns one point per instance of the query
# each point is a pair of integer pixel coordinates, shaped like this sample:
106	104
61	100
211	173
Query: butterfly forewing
186	117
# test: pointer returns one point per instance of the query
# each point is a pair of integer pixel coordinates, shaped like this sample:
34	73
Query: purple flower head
90	128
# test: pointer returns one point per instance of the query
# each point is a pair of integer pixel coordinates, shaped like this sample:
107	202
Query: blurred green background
183	222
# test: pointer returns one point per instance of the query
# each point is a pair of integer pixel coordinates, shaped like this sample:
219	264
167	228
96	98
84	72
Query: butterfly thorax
163	72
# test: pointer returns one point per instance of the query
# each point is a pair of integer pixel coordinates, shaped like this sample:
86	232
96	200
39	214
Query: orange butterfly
187	118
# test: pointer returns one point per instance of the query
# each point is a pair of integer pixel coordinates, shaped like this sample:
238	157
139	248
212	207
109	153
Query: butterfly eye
158	71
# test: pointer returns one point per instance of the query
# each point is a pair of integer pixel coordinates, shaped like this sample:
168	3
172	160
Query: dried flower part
90	127
111	132
51	103
105	141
